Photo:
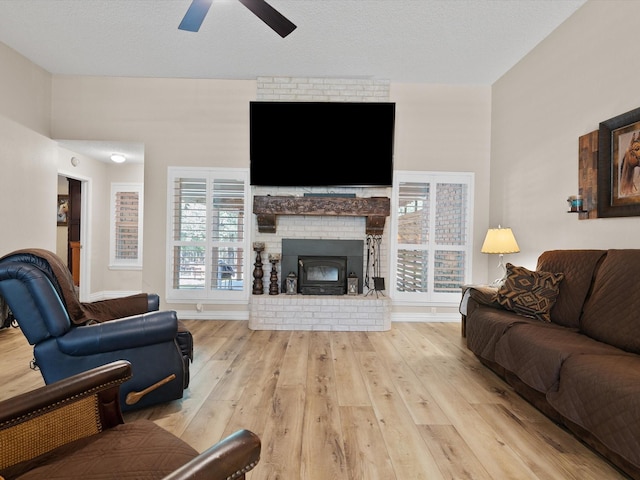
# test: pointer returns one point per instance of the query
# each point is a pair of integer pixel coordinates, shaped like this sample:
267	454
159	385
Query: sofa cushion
612	311
578	267
536	351
135	450
529	293
486	325
601	393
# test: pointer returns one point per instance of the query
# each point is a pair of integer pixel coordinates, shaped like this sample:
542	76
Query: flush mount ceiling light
118	158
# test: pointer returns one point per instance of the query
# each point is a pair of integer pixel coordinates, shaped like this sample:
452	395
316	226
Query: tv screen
314	144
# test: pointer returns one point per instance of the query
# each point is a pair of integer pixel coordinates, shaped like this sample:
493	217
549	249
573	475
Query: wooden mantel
267	208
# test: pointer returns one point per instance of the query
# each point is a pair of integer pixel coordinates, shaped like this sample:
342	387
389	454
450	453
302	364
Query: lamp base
498	282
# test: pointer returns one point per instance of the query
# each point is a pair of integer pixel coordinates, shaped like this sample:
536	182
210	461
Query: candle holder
258	273
274	288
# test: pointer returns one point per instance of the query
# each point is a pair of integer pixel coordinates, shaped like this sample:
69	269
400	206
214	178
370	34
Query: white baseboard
212	315
425	317
244	315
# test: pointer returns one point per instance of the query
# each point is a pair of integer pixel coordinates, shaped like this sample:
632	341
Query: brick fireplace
368	311
322	312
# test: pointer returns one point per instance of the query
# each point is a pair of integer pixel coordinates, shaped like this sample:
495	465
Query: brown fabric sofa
582	369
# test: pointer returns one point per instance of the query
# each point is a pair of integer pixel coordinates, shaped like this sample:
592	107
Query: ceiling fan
265	12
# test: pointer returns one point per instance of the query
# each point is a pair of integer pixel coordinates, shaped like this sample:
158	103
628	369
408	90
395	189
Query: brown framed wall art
619	166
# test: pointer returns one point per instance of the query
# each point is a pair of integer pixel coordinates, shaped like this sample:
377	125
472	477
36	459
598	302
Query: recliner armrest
153	300
120	334
230	458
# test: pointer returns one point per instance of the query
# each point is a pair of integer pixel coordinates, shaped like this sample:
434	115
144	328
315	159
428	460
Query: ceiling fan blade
269	15
195	15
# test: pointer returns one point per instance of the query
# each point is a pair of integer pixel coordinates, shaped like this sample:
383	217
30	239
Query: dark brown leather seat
74	429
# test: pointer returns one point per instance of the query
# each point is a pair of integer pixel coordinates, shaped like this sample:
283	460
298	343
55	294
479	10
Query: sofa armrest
89	399
475	295
484	295
120	334
230	458
480	294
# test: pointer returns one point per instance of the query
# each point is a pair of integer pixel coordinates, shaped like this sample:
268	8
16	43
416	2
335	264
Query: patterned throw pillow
529	293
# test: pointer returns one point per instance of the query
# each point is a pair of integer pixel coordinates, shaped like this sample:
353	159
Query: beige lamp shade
501	241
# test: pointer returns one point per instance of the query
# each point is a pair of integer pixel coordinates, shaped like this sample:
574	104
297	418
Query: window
207	247
431	252
125	246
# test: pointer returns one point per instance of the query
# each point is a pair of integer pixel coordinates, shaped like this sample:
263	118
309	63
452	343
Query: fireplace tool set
373	263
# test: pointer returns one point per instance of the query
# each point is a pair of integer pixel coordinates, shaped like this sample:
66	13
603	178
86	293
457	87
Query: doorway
71	237
73	229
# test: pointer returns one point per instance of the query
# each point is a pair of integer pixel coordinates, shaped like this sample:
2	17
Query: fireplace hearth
322	265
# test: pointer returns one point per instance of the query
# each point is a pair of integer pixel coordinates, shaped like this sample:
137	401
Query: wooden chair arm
88	401
103	381
229	459
87	404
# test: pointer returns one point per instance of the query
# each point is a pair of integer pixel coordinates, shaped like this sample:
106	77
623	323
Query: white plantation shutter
432	247
228	233
189	233
126	226
207	241
413	236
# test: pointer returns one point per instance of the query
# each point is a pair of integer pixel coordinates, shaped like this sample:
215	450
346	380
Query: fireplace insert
322	275
294	248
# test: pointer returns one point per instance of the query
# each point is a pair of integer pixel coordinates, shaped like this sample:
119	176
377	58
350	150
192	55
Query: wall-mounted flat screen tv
317	144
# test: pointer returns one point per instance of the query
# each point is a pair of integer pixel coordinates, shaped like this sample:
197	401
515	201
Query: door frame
85	233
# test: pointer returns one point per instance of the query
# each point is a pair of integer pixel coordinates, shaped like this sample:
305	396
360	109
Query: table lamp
500	241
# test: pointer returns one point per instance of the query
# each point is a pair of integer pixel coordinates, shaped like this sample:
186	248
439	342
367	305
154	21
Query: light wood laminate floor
410	403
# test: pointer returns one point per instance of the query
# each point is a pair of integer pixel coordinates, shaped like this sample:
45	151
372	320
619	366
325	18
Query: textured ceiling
472	42
102	150
424	41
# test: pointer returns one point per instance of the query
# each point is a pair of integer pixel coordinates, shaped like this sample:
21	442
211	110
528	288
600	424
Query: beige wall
30	163
206	123
518	137
28	188
28	182
180	122
447	129
582	74
25	92
96	178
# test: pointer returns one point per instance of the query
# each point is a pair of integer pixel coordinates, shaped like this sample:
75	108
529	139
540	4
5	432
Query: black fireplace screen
348	251
322	275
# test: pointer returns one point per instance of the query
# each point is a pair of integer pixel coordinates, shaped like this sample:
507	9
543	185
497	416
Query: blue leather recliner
149	341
